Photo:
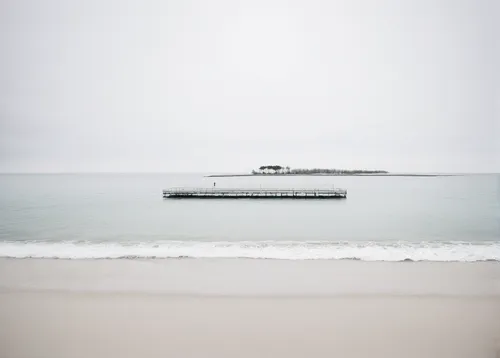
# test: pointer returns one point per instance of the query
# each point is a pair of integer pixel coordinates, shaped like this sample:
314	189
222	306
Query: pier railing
254	193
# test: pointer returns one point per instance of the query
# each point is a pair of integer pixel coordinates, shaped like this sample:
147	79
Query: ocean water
79	216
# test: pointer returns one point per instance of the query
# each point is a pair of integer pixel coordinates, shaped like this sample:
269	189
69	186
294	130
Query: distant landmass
278	170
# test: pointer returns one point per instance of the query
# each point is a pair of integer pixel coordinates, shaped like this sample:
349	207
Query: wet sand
248	308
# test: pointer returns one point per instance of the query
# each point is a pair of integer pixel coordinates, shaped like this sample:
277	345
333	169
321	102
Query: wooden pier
216	193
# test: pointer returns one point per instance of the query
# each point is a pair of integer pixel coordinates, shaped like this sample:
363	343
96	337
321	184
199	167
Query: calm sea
453	218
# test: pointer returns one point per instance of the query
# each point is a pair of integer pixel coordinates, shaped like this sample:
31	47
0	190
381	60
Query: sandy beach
248	308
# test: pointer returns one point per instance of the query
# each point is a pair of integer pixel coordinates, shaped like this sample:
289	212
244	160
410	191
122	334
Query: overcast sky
229	85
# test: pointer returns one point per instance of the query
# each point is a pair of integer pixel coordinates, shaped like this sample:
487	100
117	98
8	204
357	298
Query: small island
278	170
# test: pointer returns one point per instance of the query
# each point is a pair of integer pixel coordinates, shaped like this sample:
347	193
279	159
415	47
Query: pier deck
216	193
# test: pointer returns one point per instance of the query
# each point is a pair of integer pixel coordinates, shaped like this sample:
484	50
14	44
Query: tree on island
269	169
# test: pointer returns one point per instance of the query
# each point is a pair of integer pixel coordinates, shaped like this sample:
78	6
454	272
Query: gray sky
229	85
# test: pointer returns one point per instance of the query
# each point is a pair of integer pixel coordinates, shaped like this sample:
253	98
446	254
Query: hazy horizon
226	86
239	173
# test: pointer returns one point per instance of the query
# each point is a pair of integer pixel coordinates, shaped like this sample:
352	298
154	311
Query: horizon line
205	172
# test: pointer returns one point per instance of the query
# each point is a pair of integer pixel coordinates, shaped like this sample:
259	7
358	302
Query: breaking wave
279	250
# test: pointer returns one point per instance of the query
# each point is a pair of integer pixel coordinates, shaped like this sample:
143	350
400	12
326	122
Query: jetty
217	193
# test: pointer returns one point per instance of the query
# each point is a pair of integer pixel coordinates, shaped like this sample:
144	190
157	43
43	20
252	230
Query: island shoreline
327	175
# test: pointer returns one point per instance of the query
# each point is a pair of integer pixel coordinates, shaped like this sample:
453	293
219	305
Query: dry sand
231	308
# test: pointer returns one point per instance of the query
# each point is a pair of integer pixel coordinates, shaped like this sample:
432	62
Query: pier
216	193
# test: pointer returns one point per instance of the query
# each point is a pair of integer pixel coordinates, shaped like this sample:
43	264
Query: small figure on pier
214	184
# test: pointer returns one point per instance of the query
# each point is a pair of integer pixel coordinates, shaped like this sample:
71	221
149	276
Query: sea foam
280	250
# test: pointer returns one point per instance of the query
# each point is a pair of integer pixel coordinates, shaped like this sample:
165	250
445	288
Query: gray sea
78	216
